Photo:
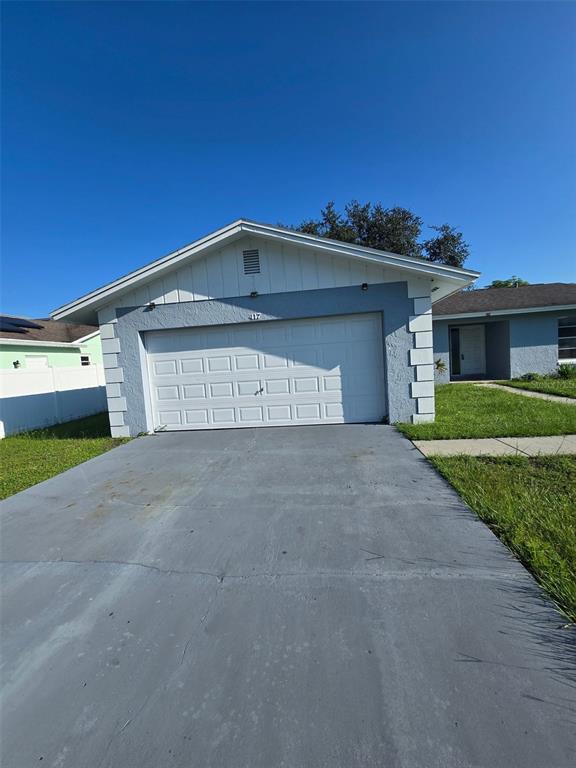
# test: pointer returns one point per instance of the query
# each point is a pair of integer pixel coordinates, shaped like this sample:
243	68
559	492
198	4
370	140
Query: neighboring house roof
44	331
524	298
86	306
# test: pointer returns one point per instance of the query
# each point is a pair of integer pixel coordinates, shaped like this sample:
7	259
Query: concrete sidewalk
528	393
499	446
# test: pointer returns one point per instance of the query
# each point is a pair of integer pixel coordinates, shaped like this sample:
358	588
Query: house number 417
254	316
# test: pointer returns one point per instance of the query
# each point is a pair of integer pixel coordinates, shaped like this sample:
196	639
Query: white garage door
327	370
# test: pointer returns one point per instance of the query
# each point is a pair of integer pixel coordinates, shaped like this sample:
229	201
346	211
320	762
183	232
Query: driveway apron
302	597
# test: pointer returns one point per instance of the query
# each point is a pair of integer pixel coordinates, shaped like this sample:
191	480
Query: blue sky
132	128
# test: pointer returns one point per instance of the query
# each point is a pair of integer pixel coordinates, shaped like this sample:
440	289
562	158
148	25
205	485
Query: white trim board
497	312
454	278
84	339
37	343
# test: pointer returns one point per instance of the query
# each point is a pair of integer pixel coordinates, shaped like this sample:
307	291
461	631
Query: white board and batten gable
213	267
272	268
246	257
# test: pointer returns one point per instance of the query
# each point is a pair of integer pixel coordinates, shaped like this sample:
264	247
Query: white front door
472	350
323	370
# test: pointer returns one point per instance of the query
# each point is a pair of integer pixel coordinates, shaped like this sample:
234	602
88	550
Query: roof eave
88	336
501	312
39	343
98	298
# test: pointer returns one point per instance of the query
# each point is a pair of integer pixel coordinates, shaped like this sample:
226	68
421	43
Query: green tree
511	282
448	247
396	229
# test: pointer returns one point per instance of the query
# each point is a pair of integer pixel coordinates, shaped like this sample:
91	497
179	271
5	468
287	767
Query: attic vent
251	262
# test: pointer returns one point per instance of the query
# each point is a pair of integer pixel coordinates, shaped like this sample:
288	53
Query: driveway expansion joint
268	635
440	573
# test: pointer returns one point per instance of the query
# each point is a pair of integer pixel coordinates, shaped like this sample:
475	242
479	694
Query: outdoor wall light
151	306
253	294
16	363
364	286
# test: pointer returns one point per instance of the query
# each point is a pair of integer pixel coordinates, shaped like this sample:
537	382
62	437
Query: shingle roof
50	330
495	299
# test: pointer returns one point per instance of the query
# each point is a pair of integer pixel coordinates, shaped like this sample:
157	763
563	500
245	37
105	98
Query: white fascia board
86	338
359	251
98	298
504	312
445	288
37	343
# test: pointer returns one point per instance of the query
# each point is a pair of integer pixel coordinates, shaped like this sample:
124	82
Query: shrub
566	371
531	377
440	365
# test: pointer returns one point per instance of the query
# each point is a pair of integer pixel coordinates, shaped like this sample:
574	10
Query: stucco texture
515	344
390	298
534	343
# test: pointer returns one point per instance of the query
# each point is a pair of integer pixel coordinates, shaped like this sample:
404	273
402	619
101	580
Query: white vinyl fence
38	398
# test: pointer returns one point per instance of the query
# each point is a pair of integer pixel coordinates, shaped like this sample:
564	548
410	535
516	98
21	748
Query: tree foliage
448	247
511	282
396	229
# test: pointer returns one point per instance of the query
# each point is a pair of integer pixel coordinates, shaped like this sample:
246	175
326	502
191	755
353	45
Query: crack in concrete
441	572
511	445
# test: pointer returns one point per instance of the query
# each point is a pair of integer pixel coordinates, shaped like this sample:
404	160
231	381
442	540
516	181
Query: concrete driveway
297	597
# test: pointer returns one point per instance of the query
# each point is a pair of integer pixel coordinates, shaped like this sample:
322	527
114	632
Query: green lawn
31	457
466	410
563	387
529	503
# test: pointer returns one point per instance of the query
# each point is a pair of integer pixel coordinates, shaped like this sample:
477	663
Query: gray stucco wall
497	347
534	343
441	350
406	397
515	344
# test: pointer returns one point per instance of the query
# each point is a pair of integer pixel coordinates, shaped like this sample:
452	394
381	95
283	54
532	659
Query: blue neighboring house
503	333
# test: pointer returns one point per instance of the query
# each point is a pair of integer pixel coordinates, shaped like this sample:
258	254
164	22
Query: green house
37	344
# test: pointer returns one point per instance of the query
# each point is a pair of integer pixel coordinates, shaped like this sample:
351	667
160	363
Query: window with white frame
567	338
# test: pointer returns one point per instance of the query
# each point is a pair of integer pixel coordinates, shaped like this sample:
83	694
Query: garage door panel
310	384
332	383
217	364
193	391
196	416
334	410
248	388
274	334
253	413
192	365
306	356
165	367
307	372
222	389
307	412
277	387
276	360
171	418
247	362
362	328
223	415
167	393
